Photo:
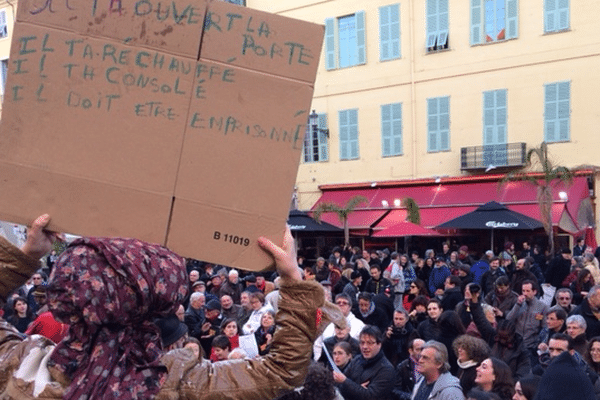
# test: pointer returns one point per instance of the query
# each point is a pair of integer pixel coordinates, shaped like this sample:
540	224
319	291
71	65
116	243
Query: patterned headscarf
109	291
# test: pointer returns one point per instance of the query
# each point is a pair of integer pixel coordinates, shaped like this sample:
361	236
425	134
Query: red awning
359	219
443	201
405	228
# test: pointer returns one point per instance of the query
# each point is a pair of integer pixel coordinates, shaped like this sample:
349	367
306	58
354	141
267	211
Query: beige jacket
23	360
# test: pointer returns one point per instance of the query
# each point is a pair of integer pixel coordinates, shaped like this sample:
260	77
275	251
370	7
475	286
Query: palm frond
413	214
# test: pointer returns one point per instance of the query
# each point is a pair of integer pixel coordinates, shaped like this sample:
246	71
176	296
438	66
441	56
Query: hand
338	377
389	332
269	338
543	347
439	292
413	313
474	297
365	384
206	327
521	299
284	257
39	242
498	312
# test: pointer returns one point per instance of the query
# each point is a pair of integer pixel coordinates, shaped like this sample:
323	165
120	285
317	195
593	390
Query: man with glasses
344	302
369	375
437	382
406	372
564	297
37	279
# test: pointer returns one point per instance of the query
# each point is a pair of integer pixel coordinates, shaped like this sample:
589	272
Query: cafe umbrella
492	216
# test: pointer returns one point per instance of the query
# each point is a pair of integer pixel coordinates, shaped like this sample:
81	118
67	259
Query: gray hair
196	296
563	290
234	272
400	309
593	291
441	354
579	320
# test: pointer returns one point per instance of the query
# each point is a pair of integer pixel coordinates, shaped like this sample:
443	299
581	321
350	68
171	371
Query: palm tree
549	175
342	212
413	214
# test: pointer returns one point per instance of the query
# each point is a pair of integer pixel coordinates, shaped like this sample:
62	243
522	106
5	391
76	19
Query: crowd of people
433	325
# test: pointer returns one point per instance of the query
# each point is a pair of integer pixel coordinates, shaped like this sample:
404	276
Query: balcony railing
493	156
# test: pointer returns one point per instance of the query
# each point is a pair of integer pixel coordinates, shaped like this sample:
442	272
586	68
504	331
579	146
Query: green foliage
342	212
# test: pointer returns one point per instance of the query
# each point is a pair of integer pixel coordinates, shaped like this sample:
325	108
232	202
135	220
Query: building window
3	75
438	124
494	127
391	130
557	112
437	25
348	134
556	15
3	25
494	20
389	32
316	145
345	41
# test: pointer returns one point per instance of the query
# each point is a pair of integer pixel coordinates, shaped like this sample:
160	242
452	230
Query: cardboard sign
177	122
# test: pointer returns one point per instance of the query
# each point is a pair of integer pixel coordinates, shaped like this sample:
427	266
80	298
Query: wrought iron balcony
493	156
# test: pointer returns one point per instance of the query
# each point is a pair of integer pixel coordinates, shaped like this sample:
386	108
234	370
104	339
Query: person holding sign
109	290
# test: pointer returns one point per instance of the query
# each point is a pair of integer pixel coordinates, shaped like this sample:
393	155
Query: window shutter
444	123
564	110
563	14
432	23
396	128
512	19
550	112
344	137
384	33
330	62
323	138
432	124
360	37
476	25
550	15
443	23
386	130
489	103
4	74
395	30
353	132
500	116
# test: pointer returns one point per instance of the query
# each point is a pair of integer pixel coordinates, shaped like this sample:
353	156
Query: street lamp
313	121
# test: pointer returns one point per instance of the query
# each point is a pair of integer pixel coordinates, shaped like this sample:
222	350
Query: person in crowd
272	298
450	328
579	247
559	268
173	332
481	267
229	309
352	288
452	293
377	282
488	279
250	281
212	324
592	354
464	256
564	299
335	256
465	276
418	310
591	264
576	267
22	315
397	277
470	353
264	285
264	334
526	388
406	372
555	323
494	375
509	252
230	328
438	276
216	282
232	286
257	301
397	336
38	280
342	354
369	313
385	302
135	334
246	309
576	327
363	267
502	298
321	270
341	335
588	309
369	375
446	251
529	317
522	274
417	288
430	328
194	345
581	286
437	383
220	348
454	263
45	324
526	250
505	342
423	268
478	394
408	270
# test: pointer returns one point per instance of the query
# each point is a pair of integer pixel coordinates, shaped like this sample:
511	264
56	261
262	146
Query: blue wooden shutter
550	17
330	59
563	14
476	25
391	129
564	110
353	133
501	116
432	23
397	128
443	23
361	37
432	125
444	123
512	19
550	112
323	138
389	32
489	118
344	135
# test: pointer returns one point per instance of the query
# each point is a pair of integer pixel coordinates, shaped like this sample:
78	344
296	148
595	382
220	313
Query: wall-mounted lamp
397	202
384	203
313	120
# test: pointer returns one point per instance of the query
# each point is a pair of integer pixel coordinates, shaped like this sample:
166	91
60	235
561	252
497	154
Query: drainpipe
413	89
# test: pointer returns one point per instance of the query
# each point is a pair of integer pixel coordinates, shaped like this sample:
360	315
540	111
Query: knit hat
213	305
171	329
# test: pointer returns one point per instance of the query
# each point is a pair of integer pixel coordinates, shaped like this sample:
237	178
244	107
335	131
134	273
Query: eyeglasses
342	303
368	343
564	298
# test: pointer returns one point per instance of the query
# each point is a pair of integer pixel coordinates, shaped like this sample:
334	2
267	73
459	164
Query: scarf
369	311
110	291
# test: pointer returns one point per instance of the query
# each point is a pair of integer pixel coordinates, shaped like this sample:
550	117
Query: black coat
396	346
405	380
557	271
593	325
377	318
377	371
